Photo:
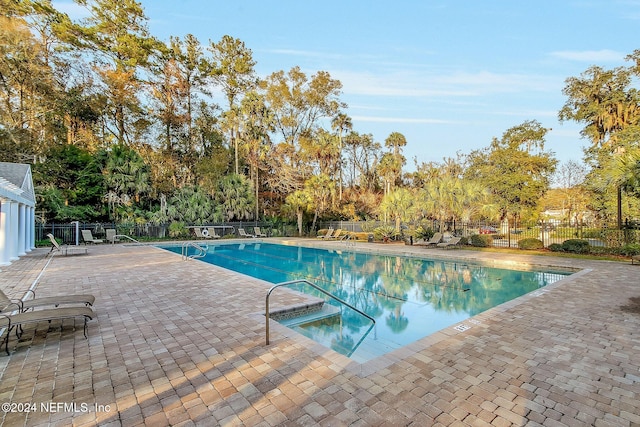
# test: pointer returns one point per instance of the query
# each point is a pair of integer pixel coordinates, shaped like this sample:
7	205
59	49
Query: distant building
17	211
558	216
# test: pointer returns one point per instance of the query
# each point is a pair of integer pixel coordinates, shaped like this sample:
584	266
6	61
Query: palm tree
235	197
438	199
126	174
398	205
341	123
322	147
321	190
191	205
298	202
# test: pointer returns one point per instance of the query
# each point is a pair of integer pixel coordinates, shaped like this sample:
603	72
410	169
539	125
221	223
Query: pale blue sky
448	75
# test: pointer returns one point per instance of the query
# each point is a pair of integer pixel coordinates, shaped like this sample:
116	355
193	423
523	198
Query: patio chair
17	320
87	236
452	243
435	239
7	304
201	233
327	235
111	235
64	249
243	233
258	233
211	231
335	235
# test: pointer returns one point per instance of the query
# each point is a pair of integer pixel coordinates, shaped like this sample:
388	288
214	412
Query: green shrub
177	229
423	233
530	244
361	235
630	249
576	246
43	243
385	232
482	240
601	250
556	247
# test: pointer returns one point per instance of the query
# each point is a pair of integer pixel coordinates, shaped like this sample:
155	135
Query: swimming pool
409	298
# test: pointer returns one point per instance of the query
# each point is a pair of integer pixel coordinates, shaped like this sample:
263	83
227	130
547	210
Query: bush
630	250
530	244
424	233
556	247
576	246
361	235
177	229
385	233
482	240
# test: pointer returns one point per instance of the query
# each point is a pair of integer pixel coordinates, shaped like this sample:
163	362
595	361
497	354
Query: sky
450	75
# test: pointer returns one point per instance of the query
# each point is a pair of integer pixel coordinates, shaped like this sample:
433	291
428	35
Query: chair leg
6	340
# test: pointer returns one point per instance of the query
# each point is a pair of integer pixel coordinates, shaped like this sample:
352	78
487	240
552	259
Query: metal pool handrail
185	251
313	285
124	235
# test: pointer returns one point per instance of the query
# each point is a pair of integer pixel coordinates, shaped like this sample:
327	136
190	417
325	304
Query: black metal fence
506	234
70	233
503	234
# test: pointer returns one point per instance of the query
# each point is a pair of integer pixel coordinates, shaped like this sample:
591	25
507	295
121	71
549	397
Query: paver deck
182	343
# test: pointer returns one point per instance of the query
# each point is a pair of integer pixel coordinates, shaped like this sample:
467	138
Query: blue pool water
409	298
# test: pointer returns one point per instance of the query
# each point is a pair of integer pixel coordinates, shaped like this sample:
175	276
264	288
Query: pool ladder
348	241
201	252
318	288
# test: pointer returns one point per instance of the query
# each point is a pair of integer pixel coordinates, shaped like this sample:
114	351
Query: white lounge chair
335	235
435	239
258	233
327	235
65	249
201	233
87	236
111	235
243	233
453	242
211	231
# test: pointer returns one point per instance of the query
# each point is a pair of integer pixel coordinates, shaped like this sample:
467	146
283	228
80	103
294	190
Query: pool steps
326	311
296	311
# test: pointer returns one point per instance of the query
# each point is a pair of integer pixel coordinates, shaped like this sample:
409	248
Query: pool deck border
182	343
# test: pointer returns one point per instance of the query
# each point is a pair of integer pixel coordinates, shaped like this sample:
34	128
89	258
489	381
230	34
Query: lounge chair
87	236
7	304
243	233
19	319
327	235
258	233
336	234
435	239
635	258
212	233
453	242
111	237
201	233
64	249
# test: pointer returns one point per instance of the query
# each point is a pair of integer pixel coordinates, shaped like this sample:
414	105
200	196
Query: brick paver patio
182	343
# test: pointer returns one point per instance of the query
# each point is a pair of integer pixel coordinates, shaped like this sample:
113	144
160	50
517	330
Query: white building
17	211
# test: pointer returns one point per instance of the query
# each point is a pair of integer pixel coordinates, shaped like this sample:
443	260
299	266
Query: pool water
409	298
